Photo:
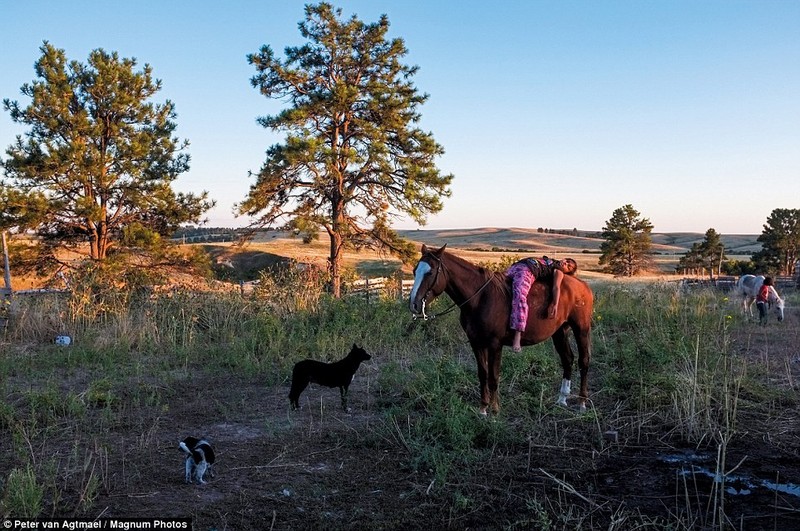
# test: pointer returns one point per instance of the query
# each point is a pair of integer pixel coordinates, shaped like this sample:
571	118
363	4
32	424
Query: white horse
748	286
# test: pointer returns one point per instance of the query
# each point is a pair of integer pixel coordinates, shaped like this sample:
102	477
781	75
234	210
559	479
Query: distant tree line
98	159
570	232
627	247
194	234
780	242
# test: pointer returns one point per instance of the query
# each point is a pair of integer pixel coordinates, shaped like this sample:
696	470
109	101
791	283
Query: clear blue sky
552	114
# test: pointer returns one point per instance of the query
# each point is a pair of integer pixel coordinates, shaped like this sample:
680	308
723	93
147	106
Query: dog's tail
185	448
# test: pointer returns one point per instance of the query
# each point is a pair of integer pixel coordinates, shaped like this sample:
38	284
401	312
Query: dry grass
479	245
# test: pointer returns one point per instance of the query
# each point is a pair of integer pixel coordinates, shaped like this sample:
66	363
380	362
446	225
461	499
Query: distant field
530	239
477	245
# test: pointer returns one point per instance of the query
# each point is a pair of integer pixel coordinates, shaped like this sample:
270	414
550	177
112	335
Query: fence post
6	292
6	266
400	285
797	273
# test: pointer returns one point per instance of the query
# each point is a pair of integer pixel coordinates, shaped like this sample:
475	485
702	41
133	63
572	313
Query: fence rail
374	287
364	287
728	283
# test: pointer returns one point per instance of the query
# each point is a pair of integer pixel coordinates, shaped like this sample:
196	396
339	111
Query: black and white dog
199	459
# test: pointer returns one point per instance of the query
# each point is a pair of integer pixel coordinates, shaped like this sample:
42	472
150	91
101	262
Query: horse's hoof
562	401
482	412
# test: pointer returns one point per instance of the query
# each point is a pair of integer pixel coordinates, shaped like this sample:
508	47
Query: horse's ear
424	249
439	251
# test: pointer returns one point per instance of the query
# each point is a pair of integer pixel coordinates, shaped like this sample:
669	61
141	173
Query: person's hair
573	262
767	281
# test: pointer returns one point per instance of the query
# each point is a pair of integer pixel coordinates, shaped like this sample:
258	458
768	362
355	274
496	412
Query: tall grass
663	369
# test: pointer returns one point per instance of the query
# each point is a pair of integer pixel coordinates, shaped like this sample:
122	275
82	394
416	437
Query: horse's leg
561	342
495	358
482	359
583	337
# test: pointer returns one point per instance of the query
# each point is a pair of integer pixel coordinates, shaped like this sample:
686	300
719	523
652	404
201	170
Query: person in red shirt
766	295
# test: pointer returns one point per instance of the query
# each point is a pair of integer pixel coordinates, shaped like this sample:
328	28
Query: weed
23	495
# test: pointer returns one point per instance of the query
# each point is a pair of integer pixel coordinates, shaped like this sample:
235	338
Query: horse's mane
499	279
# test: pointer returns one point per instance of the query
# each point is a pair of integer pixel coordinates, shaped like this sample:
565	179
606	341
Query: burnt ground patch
322	468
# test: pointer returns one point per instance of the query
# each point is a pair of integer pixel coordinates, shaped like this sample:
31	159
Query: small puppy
199	459
338	374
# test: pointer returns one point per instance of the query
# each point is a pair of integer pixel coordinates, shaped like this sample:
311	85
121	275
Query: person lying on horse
523	274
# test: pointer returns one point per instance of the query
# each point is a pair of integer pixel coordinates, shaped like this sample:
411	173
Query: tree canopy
707	255
627	246
780	241
99	157
353	157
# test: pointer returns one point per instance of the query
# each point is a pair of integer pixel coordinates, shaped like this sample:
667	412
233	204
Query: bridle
440	267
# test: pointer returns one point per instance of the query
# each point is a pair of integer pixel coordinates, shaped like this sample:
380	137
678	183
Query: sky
551	113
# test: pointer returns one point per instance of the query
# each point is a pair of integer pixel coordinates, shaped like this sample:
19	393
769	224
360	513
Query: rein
453	306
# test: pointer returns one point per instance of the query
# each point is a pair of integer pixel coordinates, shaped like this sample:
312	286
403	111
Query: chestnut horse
484	298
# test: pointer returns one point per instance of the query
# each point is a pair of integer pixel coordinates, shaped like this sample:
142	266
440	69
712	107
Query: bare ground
322	468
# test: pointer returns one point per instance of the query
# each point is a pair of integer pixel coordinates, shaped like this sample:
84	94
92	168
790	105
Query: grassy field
694	420
477	245
480	245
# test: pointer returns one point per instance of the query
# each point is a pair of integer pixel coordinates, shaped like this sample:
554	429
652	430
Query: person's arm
558	276
773	294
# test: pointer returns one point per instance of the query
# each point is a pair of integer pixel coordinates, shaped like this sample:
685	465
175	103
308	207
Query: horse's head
429	280
779	304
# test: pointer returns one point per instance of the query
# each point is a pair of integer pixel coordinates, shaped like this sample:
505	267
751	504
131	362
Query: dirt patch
322	468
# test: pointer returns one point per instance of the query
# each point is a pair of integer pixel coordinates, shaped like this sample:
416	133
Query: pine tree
780	241
627	246
712	252
353	158
99	157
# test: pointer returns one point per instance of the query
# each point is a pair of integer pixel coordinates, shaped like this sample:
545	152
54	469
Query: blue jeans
762	311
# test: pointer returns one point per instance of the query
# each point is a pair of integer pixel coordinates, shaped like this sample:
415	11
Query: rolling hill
530	240
479	245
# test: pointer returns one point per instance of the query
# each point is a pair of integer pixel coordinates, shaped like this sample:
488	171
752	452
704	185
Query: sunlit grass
664	367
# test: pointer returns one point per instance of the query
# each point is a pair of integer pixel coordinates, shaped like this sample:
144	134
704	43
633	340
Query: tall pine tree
626	250
99	157
780	241
353	158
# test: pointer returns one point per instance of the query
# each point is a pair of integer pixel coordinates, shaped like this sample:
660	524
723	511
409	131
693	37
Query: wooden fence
371	288
728	283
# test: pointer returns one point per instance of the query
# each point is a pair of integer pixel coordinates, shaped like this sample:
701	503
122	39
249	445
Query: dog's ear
355	346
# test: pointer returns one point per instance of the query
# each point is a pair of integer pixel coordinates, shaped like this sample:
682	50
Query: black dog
199	458
338	374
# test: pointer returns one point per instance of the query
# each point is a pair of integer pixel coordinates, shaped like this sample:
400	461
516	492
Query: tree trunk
94	245
99	242
335	234
335	264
